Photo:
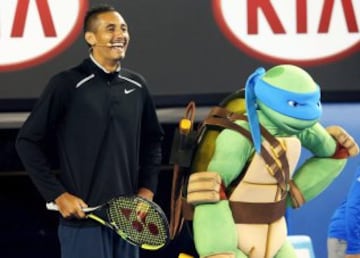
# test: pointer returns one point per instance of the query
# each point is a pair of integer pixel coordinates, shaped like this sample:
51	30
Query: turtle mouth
292	128
297	127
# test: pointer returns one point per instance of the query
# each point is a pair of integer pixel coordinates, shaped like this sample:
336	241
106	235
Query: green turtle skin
214	228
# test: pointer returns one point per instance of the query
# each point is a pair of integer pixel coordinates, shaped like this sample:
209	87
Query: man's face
110	37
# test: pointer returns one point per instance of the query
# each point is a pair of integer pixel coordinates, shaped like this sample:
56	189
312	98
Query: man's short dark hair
92	14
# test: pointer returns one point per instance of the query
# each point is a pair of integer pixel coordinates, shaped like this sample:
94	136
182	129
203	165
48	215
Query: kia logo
33	31
301	32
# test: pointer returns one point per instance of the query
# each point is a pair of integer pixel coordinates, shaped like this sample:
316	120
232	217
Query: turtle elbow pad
205	187
346	146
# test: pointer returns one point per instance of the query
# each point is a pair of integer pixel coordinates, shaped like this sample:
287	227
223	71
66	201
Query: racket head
139	221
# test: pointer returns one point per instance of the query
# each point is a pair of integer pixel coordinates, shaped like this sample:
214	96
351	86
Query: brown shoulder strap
179	177
223	122
277	164
224	113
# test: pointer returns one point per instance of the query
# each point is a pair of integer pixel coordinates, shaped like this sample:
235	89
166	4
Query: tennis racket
137	220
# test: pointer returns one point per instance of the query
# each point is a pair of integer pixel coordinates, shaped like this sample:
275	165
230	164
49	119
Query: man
108	138
343	232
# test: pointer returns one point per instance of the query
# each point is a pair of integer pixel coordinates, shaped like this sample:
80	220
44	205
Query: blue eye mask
305	106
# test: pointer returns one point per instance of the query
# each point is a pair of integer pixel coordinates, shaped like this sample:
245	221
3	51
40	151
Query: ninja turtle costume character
240	200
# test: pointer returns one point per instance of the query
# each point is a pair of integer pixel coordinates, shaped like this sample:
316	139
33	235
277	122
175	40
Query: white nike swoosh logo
126	91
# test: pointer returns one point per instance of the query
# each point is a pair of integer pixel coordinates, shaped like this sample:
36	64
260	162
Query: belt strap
257	213
247	213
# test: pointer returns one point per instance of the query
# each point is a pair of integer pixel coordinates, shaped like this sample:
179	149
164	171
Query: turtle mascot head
287	95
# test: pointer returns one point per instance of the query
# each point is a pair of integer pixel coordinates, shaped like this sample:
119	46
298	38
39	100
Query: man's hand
142	207
145	193
70	206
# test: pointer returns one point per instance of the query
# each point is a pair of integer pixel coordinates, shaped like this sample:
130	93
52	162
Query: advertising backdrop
196	49
184	46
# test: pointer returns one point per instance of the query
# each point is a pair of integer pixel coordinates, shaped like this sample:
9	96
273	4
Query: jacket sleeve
352	216
36	137
151	146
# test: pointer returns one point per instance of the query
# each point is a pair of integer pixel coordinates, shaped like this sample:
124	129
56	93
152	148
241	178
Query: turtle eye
292	103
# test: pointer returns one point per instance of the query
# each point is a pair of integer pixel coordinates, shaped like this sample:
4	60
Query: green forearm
316	174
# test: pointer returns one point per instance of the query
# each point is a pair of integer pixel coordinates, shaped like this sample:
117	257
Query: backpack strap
181	160
224	122
276	164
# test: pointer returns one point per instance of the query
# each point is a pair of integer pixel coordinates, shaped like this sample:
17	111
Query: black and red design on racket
137	220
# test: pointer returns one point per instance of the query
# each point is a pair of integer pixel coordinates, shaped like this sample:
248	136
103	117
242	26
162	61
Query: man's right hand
70	206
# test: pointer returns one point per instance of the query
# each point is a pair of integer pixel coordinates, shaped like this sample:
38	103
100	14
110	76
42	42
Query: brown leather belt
247	213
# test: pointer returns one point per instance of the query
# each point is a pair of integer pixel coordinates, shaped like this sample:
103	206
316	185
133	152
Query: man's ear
90	38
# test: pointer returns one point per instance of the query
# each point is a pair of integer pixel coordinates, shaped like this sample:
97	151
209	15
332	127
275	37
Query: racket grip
51	206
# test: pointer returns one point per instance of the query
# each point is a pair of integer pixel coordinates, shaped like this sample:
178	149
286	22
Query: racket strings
148	228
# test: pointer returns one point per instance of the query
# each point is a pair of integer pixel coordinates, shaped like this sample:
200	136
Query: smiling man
108	38
107	135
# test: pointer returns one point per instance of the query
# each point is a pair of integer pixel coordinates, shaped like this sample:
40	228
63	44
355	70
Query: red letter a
21	14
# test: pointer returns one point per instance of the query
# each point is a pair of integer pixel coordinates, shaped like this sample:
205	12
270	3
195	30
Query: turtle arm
232	152
318	171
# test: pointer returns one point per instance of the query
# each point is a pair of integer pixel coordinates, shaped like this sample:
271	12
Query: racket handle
51	206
